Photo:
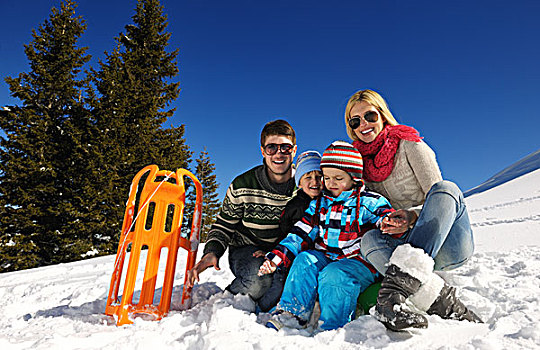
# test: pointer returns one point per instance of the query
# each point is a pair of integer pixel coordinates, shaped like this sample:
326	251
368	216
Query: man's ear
262	151
295	148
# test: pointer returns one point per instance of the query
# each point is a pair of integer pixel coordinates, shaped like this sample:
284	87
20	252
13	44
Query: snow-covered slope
519	168
507	216
61	307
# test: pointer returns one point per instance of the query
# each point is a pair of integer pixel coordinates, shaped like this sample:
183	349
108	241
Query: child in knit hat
308	177
325	246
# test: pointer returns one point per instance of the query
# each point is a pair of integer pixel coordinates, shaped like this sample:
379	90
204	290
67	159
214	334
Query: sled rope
135	219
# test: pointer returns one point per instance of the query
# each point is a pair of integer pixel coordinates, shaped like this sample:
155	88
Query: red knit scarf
378	155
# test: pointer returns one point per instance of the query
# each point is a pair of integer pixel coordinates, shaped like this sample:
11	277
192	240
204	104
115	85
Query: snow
62	306
507	216
526	165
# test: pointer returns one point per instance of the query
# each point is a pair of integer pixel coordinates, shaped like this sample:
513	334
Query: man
248	222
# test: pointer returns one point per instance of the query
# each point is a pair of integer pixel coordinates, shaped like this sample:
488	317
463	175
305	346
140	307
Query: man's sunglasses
272	148
370	117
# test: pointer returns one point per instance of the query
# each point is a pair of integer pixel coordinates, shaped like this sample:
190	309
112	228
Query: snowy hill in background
523	166
507	216
61	306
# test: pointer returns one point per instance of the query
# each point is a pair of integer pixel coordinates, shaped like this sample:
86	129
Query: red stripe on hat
353	164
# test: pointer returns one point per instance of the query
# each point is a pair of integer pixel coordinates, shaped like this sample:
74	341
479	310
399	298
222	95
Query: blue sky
466	74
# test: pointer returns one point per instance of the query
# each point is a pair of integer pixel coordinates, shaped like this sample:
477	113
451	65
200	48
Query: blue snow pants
337	282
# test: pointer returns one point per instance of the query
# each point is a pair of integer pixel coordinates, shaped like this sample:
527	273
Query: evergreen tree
204	172
40	154
134	91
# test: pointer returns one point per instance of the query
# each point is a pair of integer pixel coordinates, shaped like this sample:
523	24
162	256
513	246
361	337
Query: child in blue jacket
325	246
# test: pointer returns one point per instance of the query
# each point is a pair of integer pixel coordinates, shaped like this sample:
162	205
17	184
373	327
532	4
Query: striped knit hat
342	155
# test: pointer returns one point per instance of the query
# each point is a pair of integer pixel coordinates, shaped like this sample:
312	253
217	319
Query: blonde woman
431	224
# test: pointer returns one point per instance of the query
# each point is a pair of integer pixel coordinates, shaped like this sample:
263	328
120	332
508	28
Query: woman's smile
366	131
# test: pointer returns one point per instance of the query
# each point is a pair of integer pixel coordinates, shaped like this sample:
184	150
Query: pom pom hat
307	162
344	156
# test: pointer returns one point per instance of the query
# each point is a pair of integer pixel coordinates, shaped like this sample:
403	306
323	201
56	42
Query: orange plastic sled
152	227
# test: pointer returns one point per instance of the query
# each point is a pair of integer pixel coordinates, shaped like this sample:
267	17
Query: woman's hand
267	267
398	222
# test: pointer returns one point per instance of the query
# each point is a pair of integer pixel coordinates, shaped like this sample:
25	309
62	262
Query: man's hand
207	261
267	267
398	222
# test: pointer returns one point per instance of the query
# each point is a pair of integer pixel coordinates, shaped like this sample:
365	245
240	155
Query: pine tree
204	172
44	138
134	91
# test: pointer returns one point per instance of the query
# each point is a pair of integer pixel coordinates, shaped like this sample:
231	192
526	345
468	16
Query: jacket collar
343	196
285	188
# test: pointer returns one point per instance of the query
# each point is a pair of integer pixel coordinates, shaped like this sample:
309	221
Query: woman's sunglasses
272	148
370	117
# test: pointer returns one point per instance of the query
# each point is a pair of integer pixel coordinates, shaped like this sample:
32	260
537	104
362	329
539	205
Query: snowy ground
62	306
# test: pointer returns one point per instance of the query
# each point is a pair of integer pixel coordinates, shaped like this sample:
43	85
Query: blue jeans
338	283
264	290
442	230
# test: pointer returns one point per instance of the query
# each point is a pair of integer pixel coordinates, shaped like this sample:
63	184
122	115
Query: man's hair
278	127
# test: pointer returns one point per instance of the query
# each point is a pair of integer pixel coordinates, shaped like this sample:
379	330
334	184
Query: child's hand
267	267
258	254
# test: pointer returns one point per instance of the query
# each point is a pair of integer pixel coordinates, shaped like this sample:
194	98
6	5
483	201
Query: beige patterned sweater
415	171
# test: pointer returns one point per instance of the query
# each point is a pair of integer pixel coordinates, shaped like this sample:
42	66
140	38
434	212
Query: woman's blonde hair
374	99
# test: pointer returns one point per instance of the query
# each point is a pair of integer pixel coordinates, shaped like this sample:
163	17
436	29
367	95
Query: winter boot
434	296
391	310
284	319
448	306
